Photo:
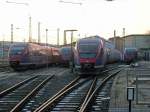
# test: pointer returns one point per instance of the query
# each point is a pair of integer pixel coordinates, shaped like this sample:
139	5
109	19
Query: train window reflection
16	50
88	47
66	51
87	55
130	51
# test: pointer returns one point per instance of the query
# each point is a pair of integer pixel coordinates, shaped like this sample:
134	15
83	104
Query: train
26	55
65	54
130	55
92	53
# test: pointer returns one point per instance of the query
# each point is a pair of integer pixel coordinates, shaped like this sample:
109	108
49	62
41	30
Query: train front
65	55
130	55
85	56
16	55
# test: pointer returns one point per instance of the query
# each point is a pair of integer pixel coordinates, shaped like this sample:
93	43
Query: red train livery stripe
93	60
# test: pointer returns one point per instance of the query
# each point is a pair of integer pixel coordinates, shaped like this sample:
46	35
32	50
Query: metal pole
58	36
72	59
46	36
39	32
3	52
11	33
65	41
71	52
30	31
129	105
137	82
115	38
124	38
46	46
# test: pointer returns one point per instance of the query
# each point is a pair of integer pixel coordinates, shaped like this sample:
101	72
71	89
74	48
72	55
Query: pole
65	41
71	52
123	38
30	31
58	36
115	38
72	58
11	33
46	36
130	96
39	32
3	51
46	46
129	105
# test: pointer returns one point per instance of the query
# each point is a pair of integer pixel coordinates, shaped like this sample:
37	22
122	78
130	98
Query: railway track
10	100
12	74
75	95
34	94
99	98
17	79
13	98
50	89
6	69
7	80
12	80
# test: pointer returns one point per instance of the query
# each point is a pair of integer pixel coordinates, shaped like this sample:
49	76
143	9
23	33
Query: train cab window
130	51
88	47
87	55
16	50
66	51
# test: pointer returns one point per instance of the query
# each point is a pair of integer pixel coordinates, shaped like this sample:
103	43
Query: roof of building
133	35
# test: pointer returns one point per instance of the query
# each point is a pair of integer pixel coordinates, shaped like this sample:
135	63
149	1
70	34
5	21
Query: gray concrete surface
140	79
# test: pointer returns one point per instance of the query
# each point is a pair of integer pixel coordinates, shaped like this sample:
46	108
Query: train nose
87	60
88	66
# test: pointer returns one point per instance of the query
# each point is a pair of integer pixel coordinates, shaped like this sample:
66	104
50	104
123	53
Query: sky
93	17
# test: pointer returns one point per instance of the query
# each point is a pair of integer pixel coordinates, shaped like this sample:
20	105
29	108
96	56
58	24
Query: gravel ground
51	88
119	101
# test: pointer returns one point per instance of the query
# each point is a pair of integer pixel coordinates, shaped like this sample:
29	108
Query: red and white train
24	55
65	54
93	53
130	55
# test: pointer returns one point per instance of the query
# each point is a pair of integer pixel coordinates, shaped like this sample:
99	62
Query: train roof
97	39
19	44
90	39
24	44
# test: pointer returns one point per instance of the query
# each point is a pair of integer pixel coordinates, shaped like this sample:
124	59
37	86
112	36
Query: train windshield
87	55
130	51
88	47
15	50
66	51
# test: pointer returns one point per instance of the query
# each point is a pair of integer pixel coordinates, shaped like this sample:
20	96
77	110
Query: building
141	42
118	42
138	41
